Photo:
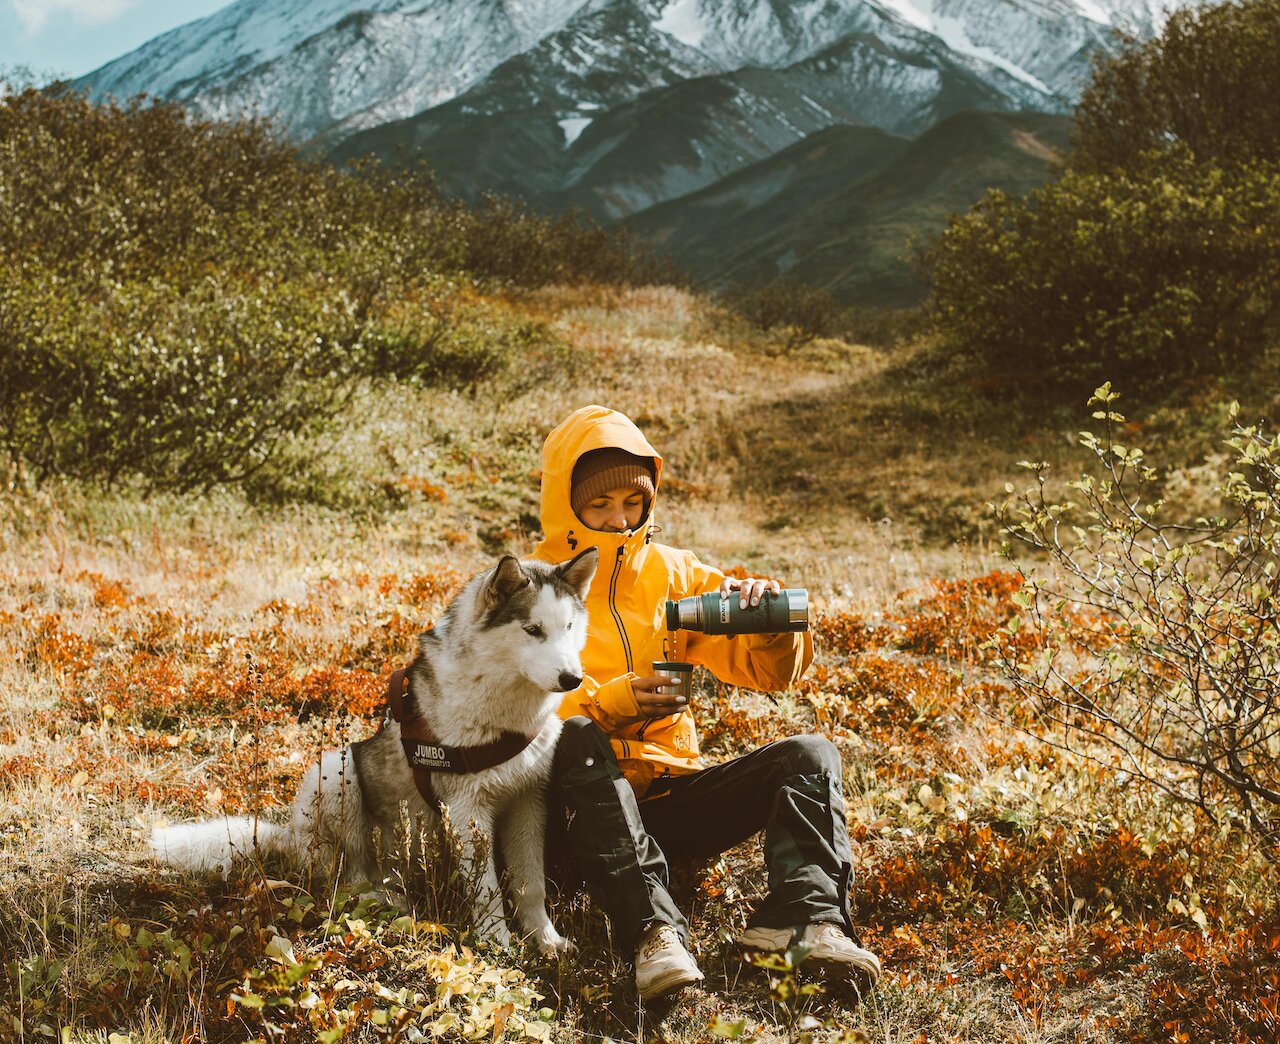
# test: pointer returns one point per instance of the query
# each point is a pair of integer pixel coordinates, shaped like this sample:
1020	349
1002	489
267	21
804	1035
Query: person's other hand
749	590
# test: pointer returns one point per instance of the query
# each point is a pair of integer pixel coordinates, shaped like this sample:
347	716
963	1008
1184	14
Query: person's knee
580	733
811	756
583	750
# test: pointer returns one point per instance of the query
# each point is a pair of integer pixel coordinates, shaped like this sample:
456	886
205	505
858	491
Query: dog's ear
578	571
507	579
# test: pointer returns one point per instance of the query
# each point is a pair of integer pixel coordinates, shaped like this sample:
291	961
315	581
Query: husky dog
492	669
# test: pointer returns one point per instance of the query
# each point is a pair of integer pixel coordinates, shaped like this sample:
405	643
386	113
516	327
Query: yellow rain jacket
626	631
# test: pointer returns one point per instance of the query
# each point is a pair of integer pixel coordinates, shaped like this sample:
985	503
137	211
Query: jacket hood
586	429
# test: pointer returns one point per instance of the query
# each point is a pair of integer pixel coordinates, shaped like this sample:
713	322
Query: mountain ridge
839	208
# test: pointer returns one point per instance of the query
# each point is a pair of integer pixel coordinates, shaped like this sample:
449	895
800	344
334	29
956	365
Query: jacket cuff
615	701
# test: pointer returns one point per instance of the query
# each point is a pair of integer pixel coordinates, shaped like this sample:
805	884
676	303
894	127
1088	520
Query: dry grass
175	656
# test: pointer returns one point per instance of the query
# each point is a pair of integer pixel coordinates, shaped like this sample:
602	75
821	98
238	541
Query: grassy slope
1036	890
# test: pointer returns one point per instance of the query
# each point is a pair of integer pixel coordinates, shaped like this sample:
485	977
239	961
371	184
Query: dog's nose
569	681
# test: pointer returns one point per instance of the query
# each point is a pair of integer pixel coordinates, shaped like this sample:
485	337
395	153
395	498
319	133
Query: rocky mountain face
616	106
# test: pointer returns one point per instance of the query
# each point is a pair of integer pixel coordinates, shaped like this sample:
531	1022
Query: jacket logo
426	755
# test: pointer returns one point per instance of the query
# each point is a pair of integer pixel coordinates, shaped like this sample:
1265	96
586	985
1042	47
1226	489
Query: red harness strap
426	754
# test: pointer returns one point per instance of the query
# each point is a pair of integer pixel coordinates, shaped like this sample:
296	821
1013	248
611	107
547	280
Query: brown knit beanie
601	470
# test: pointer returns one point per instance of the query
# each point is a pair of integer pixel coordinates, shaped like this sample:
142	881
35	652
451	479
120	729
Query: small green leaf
728	1030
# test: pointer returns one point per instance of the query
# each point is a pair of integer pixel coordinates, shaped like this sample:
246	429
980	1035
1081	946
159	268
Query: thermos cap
798	605
673	615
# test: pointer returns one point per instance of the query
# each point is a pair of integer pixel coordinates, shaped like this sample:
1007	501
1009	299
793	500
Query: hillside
840	208
618	157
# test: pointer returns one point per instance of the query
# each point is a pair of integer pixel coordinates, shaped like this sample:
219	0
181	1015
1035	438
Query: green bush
1209	85
800	311
1155	637
1156	255
1145	279
507	242
449	346
189	388
182	297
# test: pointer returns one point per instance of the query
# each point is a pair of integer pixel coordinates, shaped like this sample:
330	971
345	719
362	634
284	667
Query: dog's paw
552	944
559	948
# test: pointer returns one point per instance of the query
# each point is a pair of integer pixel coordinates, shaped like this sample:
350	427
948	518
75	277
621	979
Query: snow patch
1093	11
815	106
682	20
573	126
952	32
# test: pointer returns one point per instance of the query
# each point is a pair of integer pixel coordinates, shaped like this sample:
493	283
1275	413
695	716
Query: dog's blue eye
534	631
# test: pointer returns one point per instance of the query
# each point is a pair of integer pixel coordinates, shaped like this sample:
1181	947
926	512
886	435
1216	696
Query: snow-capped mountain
315	64
617	106
329	67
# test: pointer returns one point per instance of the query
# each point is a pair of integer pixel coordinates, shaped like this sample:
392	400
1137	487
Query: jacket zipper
613	608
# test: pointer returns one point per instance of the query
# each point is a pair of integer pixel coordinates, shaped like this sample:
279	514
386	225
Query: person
628	775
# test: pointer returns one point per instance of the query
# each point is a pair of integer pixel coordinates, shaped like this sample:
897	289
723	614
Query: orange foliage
64	652
1044	911
417	484
161	683
844	634
960	616
108	594
731	731
424	589
992	870
20	767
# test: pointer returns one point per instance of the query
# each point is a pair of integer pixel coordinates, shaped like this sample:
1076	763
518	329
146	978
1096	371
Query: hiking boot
832	954
662	963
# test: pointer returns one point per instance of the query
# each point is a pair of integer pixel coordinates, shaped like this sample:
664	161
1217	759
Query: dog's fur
498	659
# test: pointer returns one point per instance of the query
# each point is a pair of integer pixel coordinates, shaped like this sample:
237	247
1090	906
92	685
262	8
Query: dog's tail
215	843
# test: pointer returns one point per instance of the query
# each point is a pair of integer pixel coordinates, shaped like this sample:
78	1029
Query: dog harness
427	754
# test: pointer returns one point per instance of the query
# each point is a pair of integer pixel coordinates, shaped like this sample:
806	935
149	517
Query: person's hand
654	704
749	590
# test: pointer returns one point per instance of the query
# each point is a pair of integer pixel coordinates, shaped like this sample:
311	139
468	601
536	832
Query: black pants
789	789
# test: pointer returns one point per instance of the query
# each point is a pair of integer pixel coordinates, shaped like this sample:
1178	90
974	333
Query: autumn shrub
957	617
1181	676
843	634
1212	985
799	311
976	870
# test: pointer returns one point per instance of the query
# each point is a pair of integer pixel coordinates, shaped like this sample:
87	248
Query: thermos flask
786	611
